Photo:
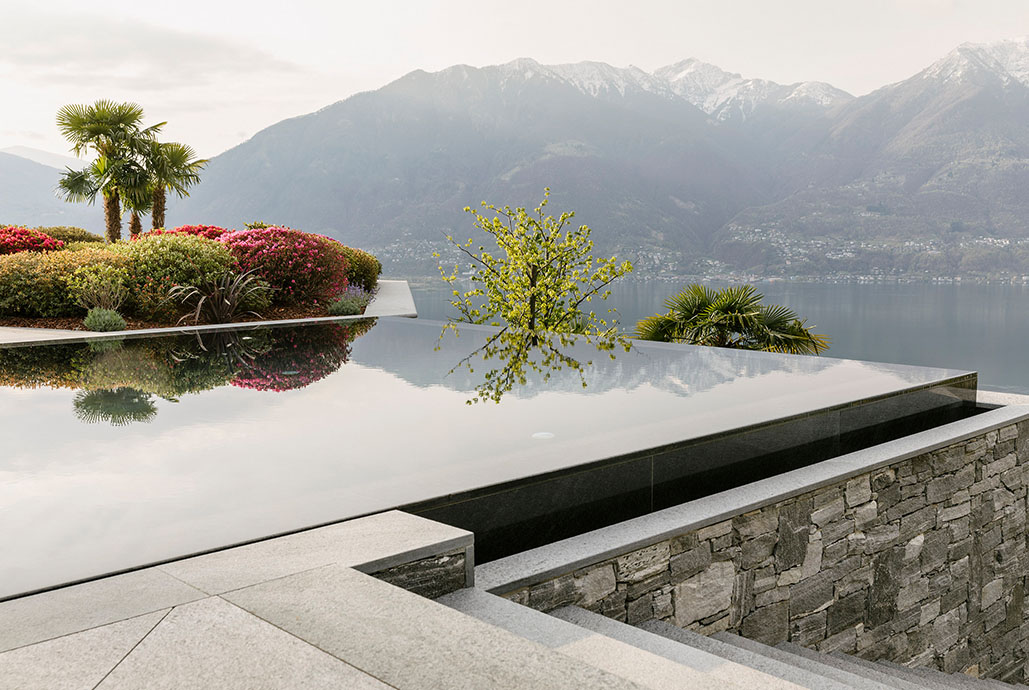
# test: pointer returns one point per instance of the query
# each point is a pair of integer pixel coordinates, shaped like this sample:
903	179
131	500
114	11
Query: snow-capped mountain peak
1005	60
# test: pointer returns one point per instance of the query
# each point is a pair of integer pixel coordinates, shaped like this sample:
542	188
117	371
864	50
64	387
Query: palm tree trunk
135	227
112	216
157	214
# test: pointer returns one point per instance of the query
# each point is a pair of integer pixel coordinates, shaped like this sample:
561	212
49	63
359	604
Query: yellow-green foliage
543	277
68	233
180	259
160	262
100	285
37	284
363	269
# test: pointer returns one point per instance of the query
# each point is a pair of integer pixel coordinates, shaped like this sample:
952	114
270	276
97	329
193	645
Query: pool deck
393	298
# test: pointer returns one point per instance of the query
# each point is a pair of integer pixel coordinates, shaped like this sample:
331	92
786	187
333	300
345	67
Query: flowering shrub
302	267
299	356
351	302
38	284
14	239
211	232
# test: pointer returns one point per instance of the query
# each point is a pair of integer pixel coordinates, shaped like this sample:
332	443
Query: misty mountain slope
946	149
27	197
404	160
679	166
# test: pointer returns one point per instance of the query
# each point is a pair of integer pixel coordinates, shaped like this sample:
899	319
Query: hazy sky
218	72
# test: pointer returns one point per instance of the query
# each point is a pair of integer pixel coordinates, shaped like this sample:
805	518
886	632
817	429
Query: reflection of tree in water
119	407
519	351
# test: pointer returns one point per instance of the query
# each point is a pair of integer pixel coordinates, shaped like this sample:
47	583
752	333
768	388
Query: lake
982	328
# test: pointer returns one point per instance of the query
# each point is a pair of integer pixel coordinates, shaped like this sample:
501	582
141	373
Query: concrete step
951	681
915	680
639	666
407	641
773	667
854	680
712	664
844	663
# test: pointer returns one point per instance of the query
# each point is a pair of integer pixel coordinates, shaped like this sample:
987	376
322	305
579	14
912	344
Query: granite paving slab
74	662
368	544
213	644
408	641
47	615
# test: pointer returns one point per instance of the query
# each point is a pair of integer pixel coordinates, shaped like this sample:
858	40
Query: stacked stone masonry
429	577
922	562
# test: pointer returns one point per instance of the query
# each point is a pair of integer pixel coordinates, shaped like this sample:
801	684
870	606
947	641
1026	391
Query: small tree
536	287
542	277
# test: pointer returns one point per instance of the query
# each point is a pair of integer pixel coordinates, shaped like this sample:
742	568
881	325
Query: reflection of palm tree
731	317
120	406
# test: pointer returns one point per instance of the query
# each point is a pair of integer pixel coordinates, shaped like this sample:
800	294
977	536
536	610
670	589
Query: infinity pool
120	454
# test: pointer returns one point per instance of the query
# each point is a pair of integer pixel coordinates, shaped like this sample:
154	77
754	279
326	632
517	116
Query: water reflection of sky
389	427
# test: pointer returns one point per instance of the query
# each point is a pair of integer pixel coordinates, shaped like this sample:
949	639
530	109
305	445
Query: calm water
983	328
116	454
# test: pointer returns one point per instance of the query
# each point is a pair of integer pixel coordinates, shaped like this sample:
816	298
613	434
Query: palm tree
173	167
114	132
120	182
731	317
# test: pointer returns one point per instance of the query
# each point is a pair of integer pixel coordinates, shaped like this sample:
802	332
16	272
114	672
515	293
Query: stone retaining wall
430	577
922	562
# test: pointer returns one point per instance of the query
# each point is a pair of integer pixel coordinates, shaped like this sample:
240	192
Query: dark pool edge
545	562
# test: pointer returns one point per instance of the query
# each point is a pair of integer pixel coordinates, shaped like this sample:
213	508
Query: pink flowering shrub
211	232
298	357
14	239
302	267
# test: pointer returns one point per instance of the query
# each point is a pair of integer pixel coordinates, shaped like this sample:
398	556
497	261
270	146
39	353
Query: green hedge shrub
160	262
68	233
363	269
37	284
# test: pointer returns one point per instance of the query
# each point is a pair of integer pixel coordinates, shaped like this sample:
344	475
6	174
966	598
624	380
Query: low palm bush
731	317
302	267
15	239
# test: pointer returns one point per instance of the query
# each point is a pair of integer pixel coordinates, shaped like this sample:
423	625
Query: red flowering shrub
14	239
302	267
298	357
211	232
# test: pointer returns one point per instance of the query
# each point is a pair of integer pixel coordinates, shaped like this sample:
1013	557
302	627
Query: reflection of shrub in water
297	357
119	407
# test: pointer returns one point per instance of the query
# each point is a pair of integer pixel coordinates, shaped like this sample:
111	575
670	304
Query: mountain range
686	169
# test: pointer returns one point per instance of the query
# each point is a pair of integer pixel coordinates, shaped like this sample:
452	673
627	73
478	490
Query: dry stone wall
921	562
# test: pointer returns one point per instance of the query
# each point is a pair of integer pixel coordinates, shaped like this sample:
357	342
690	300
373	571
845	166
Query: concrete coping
392	298
552	560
